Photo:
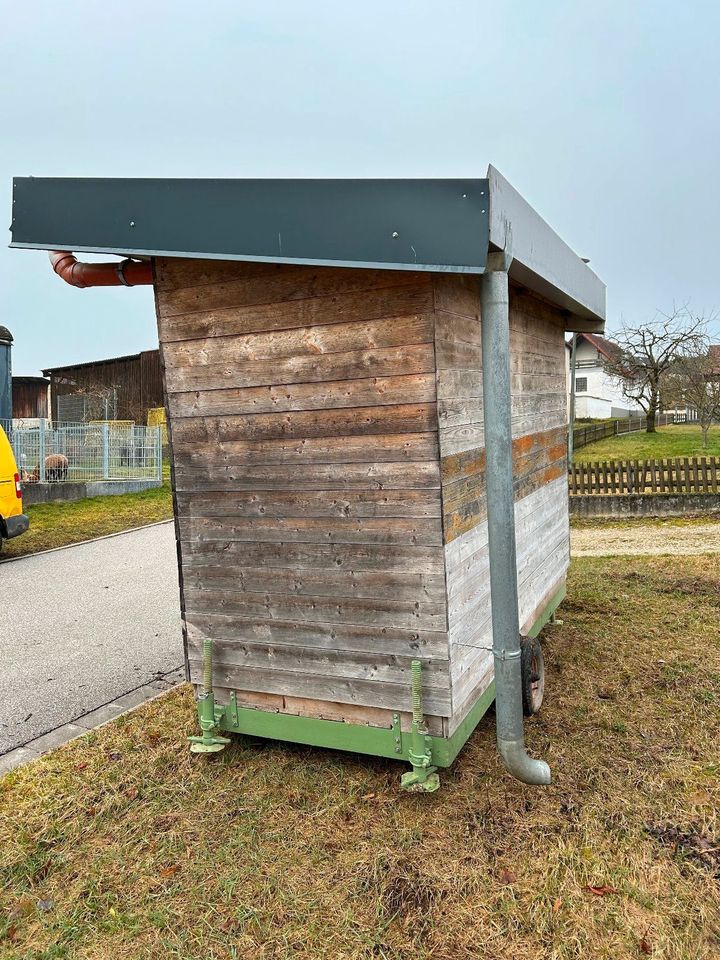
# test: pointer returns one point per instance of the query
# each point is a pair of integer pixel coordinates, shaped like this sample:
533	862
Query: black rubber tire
532	668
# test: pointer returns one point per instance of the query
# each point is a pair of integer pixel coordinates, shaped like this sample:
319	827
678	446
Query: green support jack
423	778
209	715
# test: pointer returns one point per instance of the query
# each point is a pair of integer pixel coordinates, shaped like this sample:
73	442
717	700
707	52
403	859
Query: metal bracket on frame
397	732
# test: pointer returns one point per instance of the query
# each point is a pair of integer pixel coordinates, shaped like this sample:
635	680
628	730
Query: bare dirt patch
645	540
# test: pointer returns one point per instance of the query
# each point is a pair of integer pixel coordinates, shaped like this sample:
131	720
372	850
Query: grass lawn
671	441
123	845
58	524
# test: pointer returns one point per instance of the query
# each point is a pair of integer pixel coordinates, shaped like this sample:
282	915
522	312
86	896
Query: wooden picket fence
677	475
589	433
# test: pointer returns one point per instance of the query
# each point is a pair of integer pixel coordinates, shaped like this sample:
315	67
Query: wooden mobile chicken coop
366	392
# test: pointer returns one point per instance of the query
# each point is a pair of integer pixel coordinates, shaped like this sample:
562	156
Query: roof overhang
435	225
541	260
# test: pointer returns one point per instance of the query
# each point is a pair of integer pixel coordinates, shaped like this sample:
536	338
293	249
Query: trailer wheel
532	668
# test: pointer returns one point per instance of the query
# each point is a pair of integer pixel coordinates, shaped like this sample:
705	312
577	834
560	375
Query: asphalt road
83	625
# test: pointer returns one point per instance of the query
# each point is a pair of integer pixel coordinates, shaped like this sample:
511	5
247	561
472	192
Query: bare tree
647	352
695	379
99	401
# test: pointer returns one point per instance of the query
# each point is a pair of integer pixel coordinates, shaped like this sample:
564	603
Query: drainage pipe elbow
521	766
126	273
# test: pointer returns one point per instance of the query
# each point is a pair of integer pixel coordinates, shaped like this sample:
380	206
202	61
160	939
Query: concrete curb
621	505
80	543
91	720
68	491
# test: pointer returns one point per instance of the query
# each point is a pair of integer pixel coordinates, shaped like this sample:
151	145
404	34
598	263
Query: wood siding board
374	639
399	586
450	327
238	401
457	294
310	503
368	530
358	611
352	556
286	284
326	710
373	693
346	449
378	476
365	422
382	668
326	339
355	364
175	273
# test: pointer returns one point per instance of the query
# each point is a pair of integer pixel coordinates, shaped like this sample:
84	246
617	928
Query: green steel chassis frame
426	753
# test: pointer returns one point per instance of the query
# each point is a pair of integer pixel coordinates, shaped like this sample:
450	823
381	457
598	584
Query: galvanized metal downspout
494	303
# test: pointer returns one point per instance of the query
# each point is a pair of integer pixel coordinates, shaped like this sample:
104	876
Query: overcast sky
603	115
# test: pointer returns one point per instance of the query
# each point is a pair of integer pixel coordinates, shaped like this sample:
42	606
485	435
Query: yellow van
13	521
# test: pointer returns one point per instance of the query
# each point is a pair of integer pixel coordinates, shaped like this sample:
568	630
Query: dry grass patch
123	845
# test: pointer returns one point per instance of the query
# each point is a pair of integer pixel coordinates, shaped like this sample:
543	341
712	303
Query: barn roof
93	363
435	225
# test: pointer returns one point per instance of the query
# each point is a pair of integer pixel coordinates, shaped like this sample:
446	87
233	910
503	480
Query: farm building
119	388
30	398
366	387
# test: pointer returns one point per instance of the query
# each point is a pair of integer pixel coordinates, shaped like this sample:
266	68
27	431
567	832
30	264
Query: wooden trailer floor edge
390	742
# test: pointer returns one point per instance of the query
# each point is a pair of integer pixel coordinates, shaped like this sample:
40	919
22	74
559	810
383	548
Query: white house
597	394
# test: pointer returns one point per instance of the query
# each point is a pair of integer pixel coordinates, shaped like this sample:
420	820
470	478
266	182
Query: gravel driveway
83	625
645	540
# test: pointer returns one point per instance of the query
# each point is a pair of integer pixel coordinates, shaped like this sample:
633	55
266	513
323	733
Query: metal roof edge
542	261
435	225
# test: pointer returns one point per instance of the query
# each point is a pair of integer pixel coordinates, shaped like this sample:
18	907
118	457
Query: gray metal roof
541	260
437	225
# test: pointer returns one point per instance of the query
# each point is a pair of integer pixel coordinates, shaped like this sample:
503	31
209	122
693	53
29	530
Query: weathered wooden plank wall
304	434
539	450
329	464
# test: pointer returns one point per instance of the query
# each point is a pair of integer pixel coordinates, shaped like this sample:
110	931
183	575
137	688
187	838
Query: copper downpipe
126	273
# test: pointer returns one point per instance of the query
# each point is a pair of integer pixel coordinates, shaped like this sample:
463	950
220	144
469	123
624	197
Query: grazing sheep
56	467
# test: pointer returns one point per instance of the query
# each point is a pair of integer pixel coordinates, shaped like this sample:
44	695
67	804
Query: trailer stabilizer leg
423	778
208	717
